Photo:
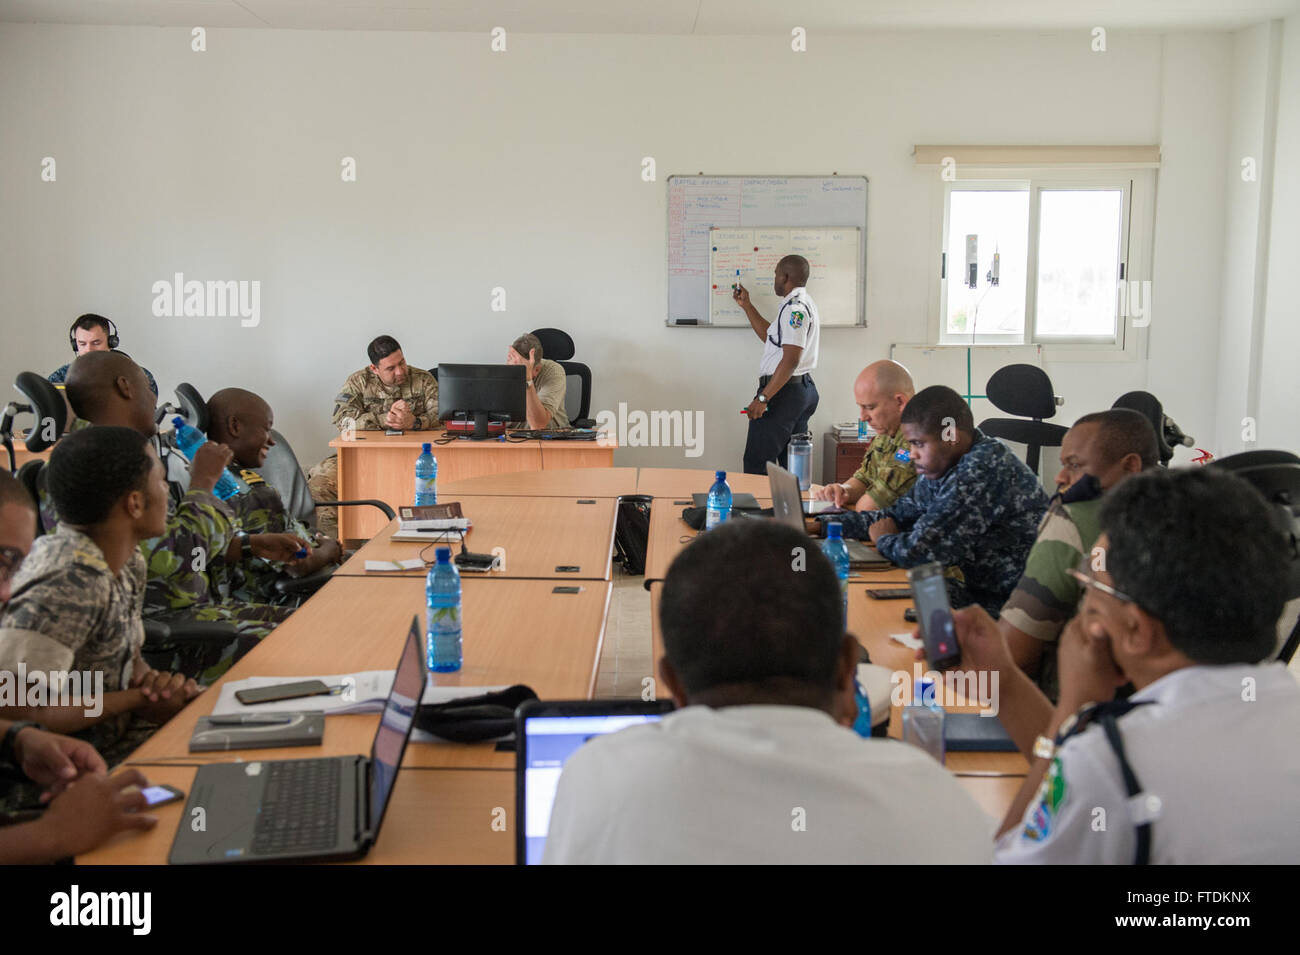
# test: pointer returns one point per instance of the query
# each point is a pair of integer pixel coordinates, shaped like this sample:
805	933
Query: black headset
113	340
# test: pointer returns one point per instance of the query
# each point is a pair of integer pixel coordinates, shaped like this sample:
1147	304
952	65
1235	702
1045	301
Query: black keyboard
552	434
300	806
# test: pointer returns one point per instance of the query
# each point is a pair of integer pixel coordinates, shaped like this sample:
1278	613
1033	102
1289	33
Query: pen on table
249	719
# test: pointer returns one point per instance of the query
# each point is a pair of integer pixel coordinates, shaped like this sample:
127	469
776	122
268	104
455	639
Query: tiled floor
625	658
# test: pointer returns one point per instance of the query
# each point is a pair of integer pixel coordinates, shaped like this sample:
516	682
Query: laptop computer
303	810
546	734
788	508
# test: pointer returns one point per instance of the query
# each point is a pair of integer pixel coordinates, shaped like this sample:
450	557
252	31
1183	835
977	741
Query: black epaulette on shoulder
250	477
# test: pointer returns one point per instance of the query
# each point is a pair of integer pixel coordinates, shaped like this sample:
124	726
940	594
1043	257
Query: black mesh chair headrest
1276	475
557	345
1022	390
48	406
193	407
1148	405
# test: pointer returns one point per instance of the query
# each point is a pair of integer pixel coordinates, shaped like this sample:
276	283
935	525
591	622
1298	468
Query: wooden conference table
376	465
452	801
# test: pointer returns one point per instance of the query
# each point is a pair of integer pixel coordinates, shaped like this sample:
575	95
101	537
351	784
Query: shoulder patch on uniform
796	319
1051	794
250	477
904	455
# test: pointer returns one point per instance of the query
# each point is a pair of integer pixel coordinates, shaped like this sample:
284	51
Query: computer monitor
480	391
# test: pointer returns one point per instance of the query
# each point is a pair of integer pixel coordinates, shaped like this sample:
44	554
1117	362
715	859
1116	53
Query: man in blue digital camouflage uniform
975	507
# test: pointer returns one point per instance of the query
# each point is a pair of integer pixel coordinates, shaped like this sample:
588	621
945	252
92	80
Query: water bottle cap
443	555
720	475
834	530
428	447
178	422
925	691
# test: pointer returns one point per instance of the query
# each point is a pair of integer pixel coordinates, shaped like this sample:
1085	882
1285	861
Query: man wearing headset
89	333
1200	764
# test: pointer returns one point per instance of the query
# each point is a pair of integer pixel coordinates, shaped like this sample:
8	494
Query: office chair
282	471
1167	432
557	345
1025	391
1276	475
46	403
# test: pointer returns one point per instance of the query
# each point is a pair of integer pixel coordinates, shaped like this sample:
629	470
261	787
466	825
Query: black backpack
632	532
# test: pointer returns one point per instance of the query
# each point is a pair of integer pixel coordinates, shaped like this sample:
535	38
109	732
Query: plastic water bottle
442	632
864	429
923	720
719	503
799	456
188	441
838	551
426	476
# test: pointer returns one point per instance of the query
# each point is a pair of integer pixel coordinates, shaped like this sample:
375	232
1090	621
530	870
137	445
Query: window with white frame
1042	256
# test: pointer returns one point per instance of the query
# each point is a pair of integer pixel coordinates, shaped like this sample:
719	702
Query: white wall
522	170
1280	393
1245	246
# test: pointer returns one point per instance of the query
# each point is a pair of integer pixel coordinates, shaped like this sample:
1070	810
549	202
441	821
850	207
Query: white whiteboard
749	256
697	204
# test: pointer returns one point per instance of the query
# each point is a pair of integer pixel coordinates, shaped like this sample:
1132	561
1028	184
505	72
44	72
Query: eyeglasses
11	558
1089	581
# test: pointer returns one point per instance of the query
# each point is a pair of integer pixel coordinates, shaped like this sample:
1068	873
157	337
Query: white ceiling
683	17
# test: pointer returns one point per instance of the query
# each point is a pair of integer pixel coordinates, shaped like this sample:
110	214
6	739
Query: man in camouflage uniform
975	508
188	564
388	394
76	599
1101	450
882	391
242	421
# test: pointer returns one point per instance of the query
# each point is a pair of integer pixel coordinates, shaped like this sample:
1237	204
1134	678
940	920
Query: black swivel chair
1025	391
45	403
1167	432
1276	475
557	345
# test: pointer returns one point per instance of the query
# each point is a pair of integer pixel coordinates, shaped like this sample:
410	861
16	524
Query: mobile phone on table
160	795
282	691
889	593
934	616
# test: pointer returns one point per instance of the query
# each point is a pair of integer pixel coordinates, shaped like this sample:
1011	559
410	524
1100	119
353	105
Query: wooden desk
538	535
574	482
435	816
382	466
515	631
683	482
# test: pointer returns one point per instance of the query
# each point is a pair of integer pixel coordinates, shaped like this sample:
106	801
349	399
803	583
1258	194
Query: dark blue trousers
787	413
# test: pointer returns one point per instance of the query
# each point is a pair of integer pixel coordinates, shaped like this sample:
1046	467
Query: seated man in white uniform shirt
759	766
1186	610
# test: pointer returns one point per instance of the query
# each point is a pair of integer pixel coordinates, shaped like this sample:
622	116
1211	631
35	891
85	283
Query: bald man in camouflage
882	391
242	421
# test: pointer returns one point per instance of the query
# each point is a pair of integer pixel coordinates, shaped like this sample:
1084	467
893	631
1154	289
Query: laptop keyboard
300	806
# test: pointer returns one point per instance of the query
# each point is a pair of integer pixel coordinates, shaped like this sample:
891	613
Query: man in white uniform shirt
1185	609
786	396
759	765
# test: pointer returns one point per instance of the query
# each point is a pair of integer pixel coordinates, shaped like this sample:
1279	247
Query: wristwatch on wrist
761	399
1044	748
245	547
7	754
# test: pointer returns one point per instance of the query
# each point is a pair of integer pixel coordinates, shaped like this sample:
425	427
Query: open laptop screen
548	742
395	725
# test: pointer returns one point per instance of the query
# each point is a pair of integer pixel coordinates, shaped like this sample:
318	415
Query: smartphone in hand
935	616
